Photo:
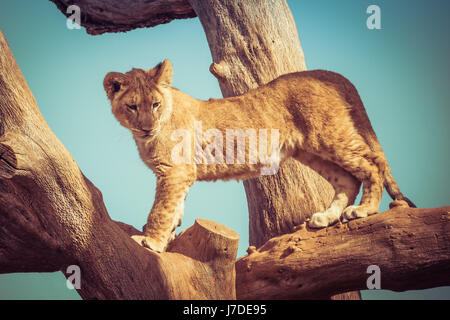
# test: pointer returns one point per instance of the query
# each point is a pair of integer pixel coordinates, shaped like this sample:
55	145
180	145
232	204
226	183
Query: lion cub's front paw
319	220
324	219
149	243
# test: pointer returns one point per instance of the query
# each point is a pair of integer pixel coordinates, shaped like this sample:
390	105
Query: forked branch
51	217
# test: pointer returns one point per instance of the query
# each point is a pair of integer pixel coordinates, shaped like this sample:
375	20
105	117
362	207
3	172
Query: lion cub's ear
164	73
112	83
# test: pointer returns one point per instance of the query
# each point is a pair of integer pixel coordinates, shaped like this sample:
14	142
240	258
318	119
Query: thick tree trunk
253	42
51	217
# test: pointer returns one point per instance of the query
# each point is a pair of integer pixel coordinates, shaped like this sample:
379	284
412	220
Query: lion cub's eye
156	105
132	107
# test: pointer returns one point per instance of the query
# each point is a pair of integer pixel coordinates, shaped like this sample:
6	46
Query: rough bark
51	217
411	247
100	16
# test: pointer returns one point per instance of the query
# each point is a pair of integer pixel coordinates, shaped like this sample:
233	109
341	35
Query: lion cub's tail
389	182
364	127
392	188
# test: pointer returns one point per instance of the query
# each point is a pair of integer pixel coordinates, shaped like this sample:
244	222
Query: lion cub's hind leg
347	149
371	172
368	167
345	193
345	185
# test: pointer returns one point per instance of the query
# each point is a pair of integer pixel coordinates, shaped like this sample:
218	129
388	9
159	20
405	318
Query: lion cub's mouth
142	133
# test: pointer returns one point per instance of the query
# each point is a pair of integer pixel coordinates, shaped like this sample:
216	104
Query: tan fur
319	116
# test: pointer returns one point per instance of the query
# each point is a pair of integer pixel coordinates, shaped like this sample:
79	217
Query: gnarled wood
411	247
51	217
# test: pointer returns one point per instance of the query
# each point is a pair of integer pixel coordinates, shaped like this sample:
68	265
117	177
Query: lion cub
308	114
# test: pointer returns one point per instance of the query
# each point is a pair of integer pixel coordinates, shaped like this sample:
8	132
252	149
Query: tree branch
411	247
101	16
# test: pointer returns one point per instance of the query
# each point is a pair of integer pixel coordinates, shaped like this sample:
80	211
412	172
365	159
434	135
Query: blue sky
401	72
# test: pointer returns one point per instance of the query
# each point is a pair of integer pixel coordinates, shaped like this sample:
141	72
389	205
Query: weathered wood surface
411	247
100	16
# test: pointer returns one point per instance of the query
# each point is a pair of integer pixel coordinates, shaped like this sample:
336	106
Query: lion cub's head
141	99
